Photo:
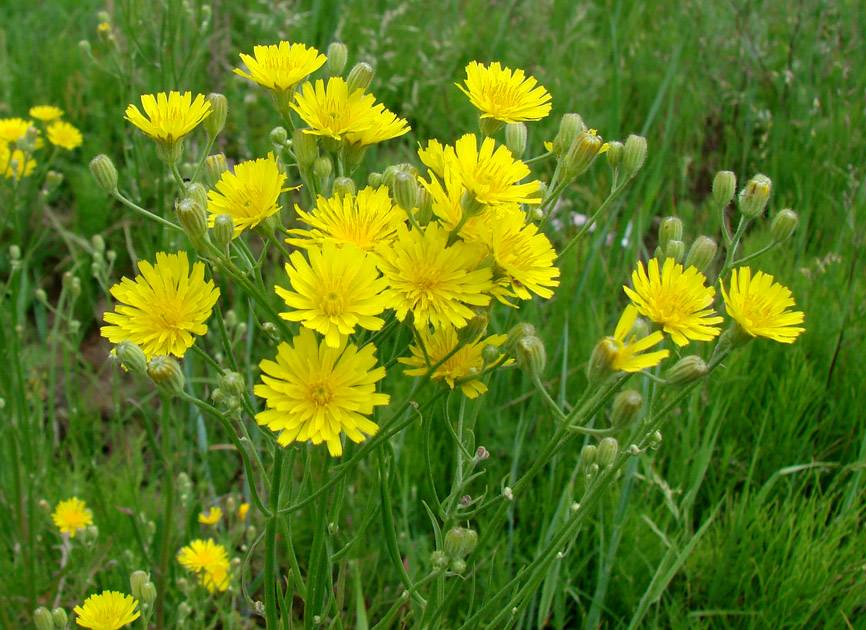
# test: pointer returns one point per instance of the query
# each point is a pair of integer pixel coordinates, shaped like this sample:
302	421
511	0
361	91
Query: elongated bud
215	123
634	154
675	250
374	180
588	456
516	335
223	229
389	177
131	357
61	619
405	190
166	373
344	186
670	229
360	77
475	327
784	224
53	179
43	619
753	198
232	383
608	449
600	364
614	153
460	541
198	193
14	252
570	127
338	55
323	167
687	370
104	173
626	407
136	581
306	148
279	136
148	593
701	253
192	218
724	187
516	136
581	154
214	167
425	207
490	353
531	356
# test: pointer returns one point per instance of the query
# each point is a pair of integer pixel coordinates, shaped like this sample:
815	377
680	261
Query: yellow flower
281	67
109	610
675	299
368	220
168	118
45	113
13	128
503	95
71	515
385	125
314	392
209	561
434	281
627	349
242	511
435	155
462	368
64	135
249	195
336	291
492	177
24	167
212	517
759	306
162	308
332	111
215	579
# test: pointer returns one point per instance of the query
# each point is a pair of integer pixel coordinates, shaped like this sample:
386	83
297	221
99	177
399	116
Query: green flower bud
41	295
614	153
425	207
360	77
570	127
215	123
490	353
196	192
581	154
686	370
233	383
405	190
184	610
475	327
223	229
531	356
600	364
98	243
515	335
701	253
136	580
104	173
43	619
306	148
344	186
214	167
323	167
61	619
724	187
131	357
374	180
470	205
587	457
608	449
439	559
516	135
166	373
279	136
14	252
634	154
53	179
390	174
675	250
338	55
460	541
784	224
192	218
626	407
753	198
489	126
670	229
148	593
458	566
85	48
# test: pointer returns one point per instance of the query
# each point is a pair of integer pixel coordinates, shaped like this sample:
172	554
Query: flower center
331	303
320	394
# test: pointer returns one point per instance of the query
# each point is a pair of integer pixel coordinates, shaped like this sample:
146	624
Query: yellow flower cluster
18	144
209	561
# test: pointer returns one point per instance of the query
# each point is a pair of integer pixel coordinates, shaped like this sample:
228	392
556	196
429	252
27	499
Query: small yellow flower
331	111
72	515
212	517
281	67
760	306
13	128
505	95
45	113
491	175
627	349
385	125
109	610
64	135
209	561
168	118
22	167
242	511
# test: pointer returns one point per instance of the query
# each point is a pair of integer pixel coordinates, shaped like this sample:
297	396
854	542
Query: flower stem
271	543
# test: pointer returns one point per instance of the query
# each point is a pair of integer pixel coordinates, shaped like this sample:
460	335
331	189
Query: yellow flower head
71	515
462	368
249	195
434	156
281	67
22	167
109	610
760	306
209	561
368	220
161	309
384	125
212	517
503	95
243	509
13	128
628	348
168	118
491	175
332	111
675	299
315	392
338	290
433	280
45	113
63	135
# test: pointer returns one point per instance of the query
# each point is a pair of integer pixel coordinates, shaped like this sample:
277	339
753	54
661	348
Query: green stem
168	513
613	195
271	543
147	213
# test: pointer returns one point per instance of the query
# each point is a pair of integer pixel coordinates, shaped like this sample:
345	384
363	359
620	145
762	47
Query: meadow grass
750	513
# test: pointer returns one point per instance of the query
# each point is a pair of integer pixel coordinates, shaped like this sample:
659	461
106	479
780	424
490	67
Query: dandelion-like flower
384	125
249	195
760	306
505	95
336	291
331	111
13	128
462	368
45	113
675	299
168	118
163	307
71	515
368	220
491	174
315	392
436	282
628	349
62	134
243	509
13	163
109	610
281	67
212	517
209	561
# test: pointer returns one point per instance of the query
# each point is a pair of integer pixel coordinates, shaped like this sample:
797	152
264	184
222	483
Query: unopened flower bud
439	559
581	154
634	154
724	187
360	77
516	136
374	180
675	250
458	566
570	127
306	148
92	532
481	454
41	295
131	357
323	167
148	593
784	224
165	372
43	619
587	457
469	205
425	207
104	173
489	126
192	218
608	449
753	198
531	356
197	192
516	334
98	243
214	167
344	186
14	252
701	253
490	353
223	229
279	136
405	190
475	327
670	229
338	55
600	364
53	179
233	383
136	580
460	541
184	610
686	370
61	619
390	174
219	107
626	407
614	153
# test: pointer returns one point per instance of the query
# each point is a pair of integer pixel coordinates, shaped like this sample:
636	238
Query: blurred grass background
772	464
